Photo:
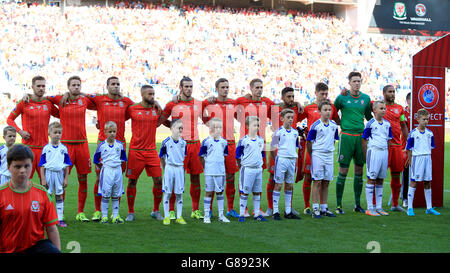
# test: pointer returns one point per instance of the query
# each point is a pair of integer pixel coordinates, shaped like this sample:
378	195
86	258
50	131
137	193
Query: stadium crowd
155	44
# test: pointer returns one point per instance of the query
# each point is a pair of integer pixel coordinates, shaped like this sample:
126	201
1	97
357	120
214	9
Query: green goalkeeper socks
340	183
357	188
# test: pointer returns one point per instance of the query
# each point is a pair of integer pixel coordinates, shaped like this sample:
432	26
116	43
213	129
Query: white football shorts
421	168
111	182
377	163
173	180
285	169
250	179
322	166
214	183
54	181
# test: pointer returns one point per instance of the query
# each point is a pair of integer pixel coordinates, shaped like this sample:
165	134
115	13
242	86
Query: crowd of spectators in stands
156	44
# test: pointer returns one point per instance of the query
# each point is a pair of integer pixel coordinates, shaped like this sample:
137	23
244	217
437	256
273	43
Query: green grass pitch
349	233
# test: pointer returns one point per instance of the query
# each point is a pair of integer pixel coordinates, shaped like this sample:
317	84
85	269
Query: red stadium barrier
428	91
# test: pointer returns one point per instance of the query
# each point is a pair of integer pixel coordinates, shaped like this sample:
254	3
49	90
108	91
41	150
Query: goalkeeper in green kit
354	107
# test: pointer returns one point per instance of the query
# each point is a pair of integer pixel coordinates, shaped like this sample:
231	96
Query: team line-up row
357	141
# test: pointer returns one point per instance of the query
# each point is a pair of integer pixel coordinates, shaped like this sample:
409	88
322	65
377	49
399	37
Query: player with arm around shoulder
320	145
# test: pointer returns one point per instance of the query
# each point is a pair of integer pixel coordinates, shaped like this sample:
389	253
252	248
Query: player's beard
289	105
149	102
390	100
187	95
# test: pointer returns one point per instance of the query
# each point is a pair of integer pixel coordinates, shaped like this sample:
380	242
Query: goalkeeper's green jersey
353	110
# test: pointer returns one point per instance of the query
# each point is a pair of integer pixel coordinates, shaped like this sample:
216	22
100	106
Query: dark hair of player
285	90
185	79
146	86
37	78
111	78
387	87
252	82
354	74
219	81
321	87
73	78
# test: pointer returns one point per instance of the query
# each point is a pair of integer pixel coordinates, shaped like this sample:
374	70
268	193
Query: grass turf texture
349	233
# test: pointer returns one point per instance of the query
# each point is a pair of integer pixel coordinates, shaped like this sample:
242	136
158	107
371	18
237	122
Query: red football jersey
23	217
249	107
395	115
189	112
312	114
225	111
408	120
407	116
73	118
35	118
111	110
144	121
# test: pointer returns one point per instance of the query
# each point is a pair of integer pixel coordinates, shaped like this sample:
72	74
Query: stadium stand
158	44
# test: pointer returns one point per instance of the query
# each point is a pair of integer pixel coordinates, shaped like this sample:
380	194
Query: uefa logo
428	96
421	10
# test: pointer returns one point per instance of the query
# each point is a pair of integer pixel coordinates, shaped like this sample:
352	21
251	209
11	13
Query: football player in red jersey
189	110
396	116
35	111
110	107
72	115
142	151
